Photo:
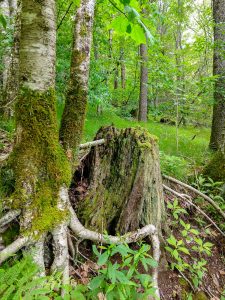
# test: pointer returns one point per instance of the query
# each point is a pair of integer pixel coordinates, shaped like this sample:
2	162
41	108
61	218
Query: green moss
200	296
38	162
216	168
9	235
119	162
75	110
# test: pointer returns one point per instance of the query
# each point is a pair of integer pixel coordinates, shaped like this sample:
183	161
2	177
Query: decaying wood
124	182
187	199
207	198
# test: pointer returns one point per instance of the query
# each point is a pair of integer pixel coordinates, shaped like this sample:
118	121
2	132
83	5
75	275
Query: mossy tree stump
124	182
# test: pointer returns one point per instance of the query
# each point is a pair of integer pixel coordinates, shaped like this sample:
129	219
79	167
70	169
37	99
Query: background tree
218	122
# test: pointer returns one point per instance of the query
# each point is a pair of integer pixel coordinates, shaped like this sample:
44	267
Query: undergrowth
119	280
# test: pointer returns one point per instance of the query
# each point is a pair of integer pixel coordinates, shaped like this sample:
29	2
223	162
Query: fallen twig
92	144
187	199
207	198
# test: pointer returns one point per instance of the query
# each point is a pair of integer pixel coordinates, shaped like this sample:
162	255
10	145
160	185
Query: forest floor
172	283
193	152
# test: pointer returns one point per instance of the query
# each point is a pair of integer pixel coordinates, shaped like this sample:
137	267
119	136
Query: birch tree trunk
12	80
4	7
40	171
218	121
38	165
77	91
143	98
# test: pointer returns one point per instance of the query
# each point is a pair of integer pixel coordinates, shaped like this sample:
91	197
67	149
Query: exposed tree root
14	247
187	199
37	252
61	251
9	217
207	198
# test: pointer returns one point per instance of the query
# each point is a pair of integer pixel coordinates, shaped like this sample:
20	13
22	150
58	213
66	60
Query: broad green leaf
3	21
138	35
96	282
102	259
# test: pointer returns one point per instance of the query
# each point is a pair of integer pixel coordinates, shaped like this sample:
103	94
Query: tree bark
76	98
123	69
143	98
218	121
12	83
4	6
125	185
38	163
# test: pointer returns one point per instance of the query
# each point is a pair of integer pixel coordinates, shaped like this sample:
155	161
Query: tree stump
124	182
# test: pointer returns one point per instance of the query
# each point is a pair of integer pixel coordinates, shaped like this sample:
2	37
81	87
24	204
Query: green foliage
19	281
173	166
116	281
214	189
188	258
123	280
176	209
3	21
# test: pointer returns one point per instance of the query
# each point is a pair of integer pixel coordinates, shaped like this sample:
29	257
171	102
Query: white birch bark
37	45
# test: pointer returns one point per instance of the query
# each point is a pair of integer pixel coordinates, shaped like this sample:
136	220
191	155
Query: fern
18	282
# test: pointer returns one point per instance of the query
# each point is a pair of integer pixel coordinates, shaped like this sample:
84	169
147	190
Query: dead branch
207	198
187	280
14	247
9	217
187	199
92	144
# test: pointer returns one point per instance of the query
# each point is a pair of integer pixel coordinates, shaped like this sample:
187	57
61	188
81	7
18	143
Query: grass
193	142
192	152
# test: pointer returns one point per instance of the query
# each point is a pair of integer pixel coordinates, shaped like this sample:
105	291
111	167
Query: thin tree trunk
143	98
116	76
123	69
218	121
77	94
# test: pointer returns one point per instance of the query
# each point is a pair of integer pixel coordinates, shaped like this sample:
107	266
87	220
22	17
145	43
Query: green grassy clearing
193	142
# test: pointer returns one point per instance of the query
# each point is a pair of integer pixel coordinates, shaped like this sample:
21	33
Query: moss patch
216	168
38	162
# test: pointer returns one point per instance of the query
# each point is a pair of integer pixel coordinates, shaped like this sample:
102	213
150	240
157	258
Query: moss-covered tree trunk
216	167
124	182
218	121
76	98
38	165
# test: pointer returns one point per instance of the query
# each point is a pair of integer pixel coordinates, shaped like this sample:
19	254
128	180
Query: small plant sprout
176	209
